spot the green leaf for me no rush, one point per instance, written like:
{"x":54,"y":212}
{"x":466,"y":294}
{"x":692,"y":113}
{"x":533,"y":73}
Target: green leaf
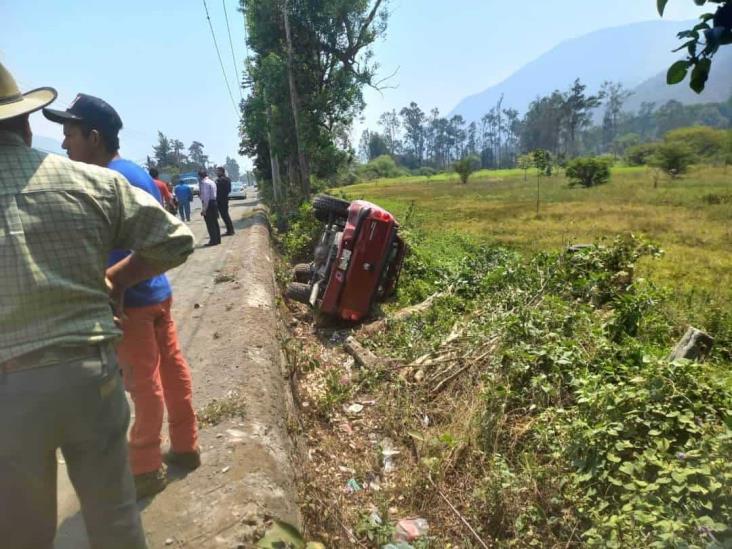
{"x":677,"y":72}
{"x":661,"y":5}
{"x":700,"y":75}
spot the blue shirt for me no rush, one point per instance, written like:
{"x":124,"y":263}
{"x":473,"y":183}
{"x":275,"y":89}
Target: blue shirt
{"x":183,"y":193}
{"x":157,"y":289}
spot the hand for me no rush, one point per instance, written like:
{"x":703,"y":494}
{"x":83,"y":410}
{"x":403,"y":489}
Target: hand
{"x":116,"y":301}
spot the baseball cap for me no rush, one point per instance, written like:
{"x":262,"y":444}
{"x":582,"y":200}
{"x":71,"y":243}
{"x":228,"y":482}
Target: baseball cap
{"x":93,"y":111}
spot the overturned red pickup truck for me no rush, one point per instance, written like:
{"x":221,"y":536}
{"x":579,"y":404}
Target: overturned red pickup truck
{"x":357,"y":261}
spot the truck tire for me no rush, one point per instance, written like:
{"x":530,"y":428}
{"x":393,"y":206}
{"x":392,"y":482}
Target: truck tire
{"x":324,"y":206}
{"x":301,"y":272}
{"x":298,"y":291}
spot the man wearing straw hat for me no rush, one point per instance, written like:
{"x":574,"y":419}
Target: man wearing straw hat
{"x":59,"y":381}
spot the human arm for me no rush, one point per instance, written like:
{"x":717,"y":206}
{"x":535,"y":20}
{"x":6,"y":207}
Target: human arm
{"x":141,"y":225}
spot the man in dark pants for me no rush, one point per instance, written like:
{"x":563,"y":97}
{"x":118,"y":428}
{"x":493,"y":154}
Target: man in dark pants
{"x":223,"y":188}
{"x":209,"y":207}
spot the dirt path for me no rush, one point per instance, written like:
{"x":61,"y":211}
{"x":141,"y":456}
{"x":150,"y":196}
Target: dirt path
{"x":224,"y":309}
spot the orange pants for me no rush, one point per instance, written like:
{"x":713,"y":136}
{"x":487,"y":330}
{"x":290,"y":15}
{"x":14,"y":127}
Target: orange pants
{"x":156,"y":376}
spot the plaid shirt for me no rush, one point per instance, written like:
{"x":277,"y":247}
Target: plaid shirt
{"x":58,"y":222}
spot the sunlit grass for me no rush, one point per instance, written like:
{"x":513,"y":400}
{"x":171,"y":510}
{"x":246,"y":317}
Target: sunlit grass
{"x":690,"y":218}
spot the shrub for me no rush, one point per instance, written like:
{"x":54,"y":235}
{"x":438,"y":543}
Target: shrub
{"x":425,"y":171}
{"x":673,"y":158}
{"x":383,"y":166}
{"x":466,"y":166}
{"x":704,"y":142}
{"x":588,"y":171}
{"x":638,"y":155}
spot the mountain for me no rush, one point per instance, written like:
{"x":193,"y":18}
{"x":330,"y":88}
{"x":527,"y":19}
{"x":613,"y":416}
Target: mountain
{"x":630,"y":54}
{"x":718,"y":88}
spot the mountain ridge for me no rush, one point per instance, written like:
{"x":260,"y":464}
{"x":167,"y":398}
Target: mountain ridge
{"x":593,"y":58}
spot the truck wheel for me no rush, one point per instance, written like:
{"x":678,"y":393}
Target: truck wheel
{"x":301,"y":272}
{"x":324,"y":206}
{"x":298,"y":291}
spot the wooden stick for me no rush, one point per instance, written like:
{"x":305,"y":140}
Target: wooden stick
{"x":454,"y":510}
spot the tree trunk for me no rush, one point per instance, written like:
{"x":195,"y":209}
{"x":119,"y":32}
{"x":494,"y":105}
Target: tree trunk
{"x":295,"y":101}
{"x":274,"y":163}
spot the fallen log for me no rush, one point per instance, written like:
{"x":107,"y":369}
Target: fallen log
{"x":363,"y":357}
{"x":695,"y":345}
{"x":401,"y":314}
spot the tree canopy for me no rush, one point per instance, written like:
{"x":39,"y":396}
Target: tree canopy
{"x":310,"y":59}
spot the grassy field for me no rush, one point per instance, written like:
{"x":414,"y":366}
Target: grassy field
{"x":690,"y":218}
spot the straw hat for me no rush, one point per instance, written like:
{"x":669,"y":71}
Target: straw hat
{"x":13,"y":103}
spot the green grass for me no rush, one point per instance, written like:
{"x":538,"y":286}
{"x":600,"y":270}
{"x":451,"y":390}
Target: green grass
{"x":690,"y":218}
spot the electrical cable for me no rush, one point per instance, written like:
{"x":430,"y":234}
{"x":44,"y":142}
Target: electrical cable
{"x":218,"y":53}
{"x":231,"y":47}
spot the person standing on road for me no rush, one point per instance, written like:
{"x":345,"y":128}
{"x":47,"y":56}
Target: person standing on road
{"x":155,"y":372}
{"x":59,"y":380}
{"x":209,"y":207}
{"x":223,"y":189}
{"x":184,"y":197}
{"x":166,"y":197}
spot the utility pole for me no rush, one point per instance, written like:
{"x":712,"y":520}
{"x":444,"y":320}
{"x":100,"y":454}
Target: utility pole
{"x":295,"y":101}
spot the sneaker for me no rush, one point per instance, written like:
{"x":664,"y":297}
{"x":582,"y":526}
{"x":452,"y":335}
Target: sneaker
{"x":185,"y":460}
{"x":149,"y":484}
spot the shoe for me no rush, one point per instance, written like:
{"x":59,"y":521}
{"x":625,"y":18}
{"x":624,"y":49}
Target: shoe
{"x":228,"y":234}
{"x":149,"y":484}
{"x":185,"y":460}
{"x":211,"y":244}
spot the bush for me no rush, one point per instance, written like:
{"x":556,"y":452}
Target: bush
{"x":704,"y":142}
{"x":588,"y":171}
{"x":466,"y":166}
{"x":383,"y":166}
{"x":638,"y":155}
{"x":425,"y":171}
{"x":673,"y":158}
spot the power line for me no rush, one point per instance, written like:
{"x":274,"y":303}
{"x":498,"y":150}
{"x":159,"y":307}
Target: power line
{"x":231,"y":47}
{"x":218,"y":54}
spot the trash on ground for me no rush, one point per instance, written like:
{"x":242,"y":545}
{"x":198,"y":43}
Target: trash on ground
{"x":353,"y":486}
{"x":411,"y":529}
{"x":354,"y":408}
{"x":388,"y":453}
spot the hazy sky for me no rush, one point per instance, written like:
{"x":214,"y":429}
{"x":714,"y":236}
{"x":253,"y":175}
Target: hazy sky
{"x":155,"y":61}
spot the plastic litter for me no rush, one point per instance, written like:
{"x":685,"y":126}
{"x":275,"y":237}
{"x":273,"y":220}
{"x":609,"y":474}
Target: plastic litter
{"x":354,"y":408}
{"x":353,"y":486}
{"x":411,"y":529}
{"x":388,"y":453}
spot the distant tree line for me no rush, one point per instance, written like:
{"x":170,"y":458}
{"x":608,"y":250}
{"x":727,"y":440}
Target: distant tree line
{"x":567,"y":124}
{"x":171,"y":157}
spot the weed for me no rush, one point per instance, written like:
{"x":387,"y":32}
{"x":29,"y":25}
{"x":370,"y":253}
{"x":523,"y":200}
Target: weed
{"x":216,"y":411}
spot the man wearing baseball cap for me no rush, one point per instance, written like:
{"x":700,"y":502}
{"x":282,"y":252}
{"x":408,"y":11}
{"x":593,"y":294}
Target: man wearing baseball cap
{"x":59,"y":380}
{"x":155,"y":372}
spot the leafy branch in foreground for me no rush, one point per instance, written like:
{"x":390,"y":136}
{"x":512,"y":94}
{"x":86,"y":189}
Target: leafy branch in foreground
{"x":701,"y":43}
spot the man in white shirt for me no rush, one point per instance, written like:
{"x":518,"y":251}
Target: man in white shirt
{"x":209,"y":207}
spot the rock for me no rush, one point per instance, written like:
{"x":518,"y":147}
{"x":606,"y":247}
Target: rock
{"x":695,"y":345}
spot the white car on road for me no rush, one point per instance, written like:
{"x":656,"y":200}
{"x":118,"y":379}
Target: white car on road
{"x":238,"y":190}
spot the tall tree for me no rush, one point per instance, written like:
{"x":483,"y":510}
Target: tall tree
{"x":195,"y":151}
{"x":578,"y":108}
{"x":232,"y":168}
{"x":329,"y":59}
{"x":389,"y":122}
{"x":614,"y":95}
{"x":162,"y":150}
{"x":413,"y":122}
